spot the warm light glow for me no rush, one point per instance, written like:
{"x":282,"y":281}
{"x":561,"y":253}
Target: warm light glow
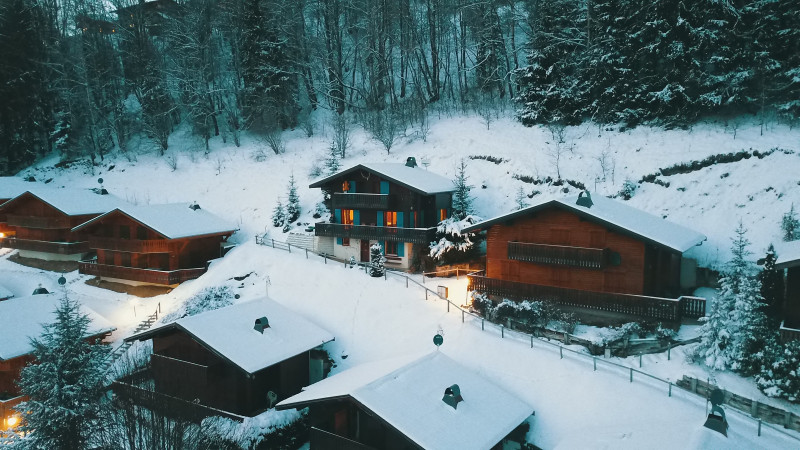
{"x":12,"y":421}
{"x":2,"y":235}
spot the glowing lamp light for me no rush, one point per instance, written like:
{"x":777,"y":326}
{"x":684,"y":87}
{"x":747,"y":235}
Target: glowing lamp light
{"x":2,"y":235}
{"x":12,"y":421}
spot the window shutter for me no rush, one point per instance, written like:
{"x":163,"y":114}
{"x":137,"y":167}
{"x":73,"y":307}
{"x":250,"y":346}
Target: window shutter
{"x":401,"y":248}
{"x":337,"y":214}
{"x":399,"y":219}
{"x":380,"y":218}
{"x":352,"y":186}
{"x":383,"y":246}
{"x":384,"y":187}
{"x":356,"y":217}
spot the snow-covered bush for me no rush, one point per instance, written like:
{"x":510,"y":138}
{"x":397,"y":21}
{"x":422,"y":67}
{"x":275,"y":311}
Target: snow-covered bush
{"x":565,"y":322}
{"x":269,"y":430}
{"x":451,"y":245}
{"x":376,"y":260}
{"x":780,"y":376}
{"x":612,"y":335}
{"x":507,"y":309}
{"x":628,"y":189}
{"x":537,"y":313}
{"x":481,"y":303}
{"x":206,"y":300}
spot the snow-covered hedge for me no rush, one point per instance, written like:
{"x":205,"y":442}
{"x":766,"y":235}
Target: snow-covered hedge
{"x":540,"y":314}
{"x":205,"y":300}
{"x":271,"y":429}
{"x":451,"y":244}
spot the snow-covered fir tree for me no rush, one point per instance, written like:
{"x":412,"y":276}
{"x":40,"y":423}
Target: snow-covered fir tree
{"x":292,"y":202}
{"x":332,"y":160}
{"x":771,"y":285}
{"x":279,"y":215}
{"x":790,"y":225}
{"x":462,"y":200}
{"x":376,"y":260}
{"x":451,"y":245}
{"x":521,"y":200}
{"x":64,"y":385}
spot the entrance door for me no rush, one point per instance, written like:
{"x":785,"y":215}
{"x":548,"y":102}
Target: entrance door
{"x":364,"y":250}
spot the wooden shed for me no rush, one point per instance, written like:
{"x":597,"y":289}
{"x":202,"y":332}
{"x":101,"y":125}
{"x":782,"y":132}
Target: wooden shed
{"x":233,"y":357}
{"x":156,"y":244}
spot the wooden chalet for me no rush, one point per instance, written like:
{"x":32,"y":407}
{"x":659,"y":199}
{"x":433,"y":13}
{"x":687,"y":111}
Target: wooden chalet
{"x":43,"y":219}
{"x":428,"y":402}
{"x":24,"y":317}
{"x":10,"y":187}
{"x":789,"y":260}
{"x":157,"y":244}
{"x":152,"y":15}
{"x":235,"y":358}
{"x":591,"y":252}
{"x":396,"y":205}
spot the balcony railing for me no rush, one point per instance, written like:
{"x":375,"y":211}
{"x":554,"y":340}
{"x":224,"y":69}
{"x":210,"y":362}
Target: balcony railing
{"x":53,"y":223}
{"x":637,"y":305}
{"x":788,"y":334}
{"x":324,"y":439}
{"x":7,"y":408}
{"x":360,"y":201}
{"x":172,"y":406}
{"x":61,"y":248}
{"x":164,"y":277}
{"x":414,"y":235}
{"x":586,"y":258}
{"x":131,"y":245}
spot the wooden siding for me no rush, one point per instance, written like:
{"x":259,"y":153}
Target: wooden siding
{"x":557,"y":227}
{"x":34,"y":222}
{"x":9,"y":373}
{"x":791,"y":306}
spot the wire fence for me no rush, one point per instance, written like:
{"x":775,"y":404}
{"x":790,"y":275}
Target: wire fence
{"x":505,"y":332}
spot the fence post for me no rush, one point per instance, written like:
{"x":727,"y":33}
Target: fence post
{"x":531,"y":341}
{"x":325,"y":257}
{"x":594,"y":359}
{"x":384,"y":274}
{"x":462,"y":316}
{"x":306,"y":253}
{"x":159,"y":306}
{"x":273,"y":243}
{"x":423,"y":277}
{"x":482,"y":324}
{"x":456,"y":273}
{"x":759,"y":427}
{"x":640,"y":360}
{"x":754,"y":408}
{"x":502,"y":331}
{"x":669,"y":349}
{"x":693,"y":382}
{"x":448,"y":305}
{"x":631,"y":374}
{"x":561,"y":351}
{"x":787,"y":419}
{"x":406,"y":281}
{"x":670,"y":388}
{"x":290,"y":247}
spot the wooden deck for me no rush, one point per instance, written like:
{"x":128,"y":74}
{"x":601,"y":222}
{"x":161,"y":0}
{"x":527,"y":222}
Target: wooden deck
{"x":162,"y":277}
{"x":61,"y":248}
{"x":375,"y":233}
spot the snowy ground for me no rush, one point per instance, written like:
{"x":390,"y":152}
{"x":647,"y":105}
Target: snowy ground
{"x":373,"y":318}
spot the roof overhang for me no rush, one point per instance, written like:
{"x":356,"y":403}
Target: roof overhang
{"x":90,"y":223}
{"x":360,"y":167}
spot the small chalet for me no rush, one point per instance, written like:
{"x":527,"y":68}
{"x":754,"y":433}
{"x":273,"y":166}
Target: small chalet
{"x":24,"y":317}
{"x":396,"y":205}
{"x":10,"y":187}
{"x":428,"y":402}
{"x":43,"y":219}
{"x":591,"y":252}
{"x":156,"y":244}
{"x":789,"y":259}
{"x":238,"y":358}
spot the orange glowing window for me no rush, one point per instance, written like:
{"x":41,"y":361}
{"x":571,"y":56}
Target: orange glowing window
{"x":391,"y":218}
{"x":346,"y":186}
{"x":347,"y":216}
{"x":442,"y":214}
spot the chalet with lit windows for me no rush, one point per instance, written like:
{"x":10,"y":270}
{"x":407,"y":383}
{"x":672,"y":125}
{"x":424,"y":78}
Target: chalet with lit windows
{"x":427,"y":402}
{"x":788,"y":259}
{"x":10,"y":187}
{"x":152,"y":15}
{"x":43,"y":220}
{"x":396,"y":205}
{"x":240,"y":359}
{"x":591,"y":252}
{"x":156,"y":244}
{"x":24,"y":317}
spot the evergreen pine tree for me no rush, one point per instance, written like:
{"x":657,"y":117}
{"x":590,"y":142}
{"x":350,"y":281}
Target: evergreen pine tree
{"x":376,"y":260}
{"x":64,"y":385}
{"x":279,"y":215}
{"x":790,"y":225}
{"x":332,"y":161}
{"x":462,"y":200}
{"x":293,"y":202}
{"x":521,"y":199}
{"x":772,"y":286}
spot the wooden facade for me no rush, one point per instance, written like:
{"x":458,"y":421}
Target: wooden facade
{"x":184,"y":368}
{"x":555,"y":247}
{"x":368,"y":206}
{"x":132,"y":251}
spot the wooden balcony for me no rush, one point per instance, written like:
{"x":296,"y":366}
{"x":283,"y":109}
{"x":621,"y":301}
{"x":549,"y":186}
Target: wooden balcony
{"x":666,"y":309}
{"x":163,"y":277}
{"x":321,"y":439}
{"x":61,"y":248}
{"x":7,"y":408}
{"x":560,"y":255}
{"x":788,"y":334}
{"x":372,"y":233}
{"x":132,"y":245}
{"x":360,"y":201}
{"x":52,"y":223}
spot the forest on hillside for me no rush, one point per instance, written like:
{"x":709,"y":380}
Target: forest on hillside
{"x":84,"y":77}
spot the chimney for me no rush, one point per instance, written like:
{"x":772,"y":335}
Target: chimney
{"x":452,"y":396}
{"x":411,"y":162}
{"x":261,"y":324}
{"x":194,"y":206}
{"x":40,"y":290}
{"x":586,"y":201}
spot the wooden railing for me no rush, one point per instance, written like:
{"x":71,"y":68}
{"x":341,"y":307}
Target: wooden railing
{"x":164,"y":277}
{"x":173,"y":406}
{"x":637,"y":305}
{"x":694,"y":307}
{"x":324,"y":440}
{"x":587,"y":258}
{"x":39,"y":222}
{"x":7,"y":407}
{"x":62,"y":248}
{"x":788,"y":334}
{"x":131,"y":245}
{"x":359,"y":201}
{"x":373,"y":233}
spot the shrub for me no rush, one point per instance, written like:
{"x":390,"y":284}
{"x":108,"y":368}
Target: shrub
{"x":780,"y":376}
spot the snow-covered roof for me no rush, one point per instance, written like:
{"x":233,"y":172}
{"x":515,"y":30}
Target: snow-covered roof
{"x":788,"y":254}
{"x":229,"y":333}
{"x":5,"y":293}
{"x":614,"y":214}
{"x":11,"y":187}
{"x":24,"y":317}
{"x":72,"y":202}
{"x":406,"y":393}
{"x":173,"y":220}
{"x":414,"y":178}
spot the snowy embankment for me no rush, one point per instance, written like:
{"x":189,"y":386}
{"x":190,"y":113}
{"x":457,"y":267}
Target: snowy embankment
{"x":374,"y":319}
